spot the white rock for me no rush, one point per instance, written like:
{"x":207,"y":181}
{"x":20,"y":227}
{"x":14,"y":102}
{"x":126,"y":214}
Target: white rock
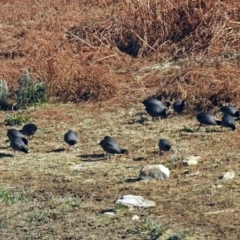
{"x":194,"y":174}
{"x":158,"y":172}
{"x":89,"y":181}
{"x":135,"y":217}
{"x":136,"y":201}
{"x":77,"y":167}
{"x":110,"y":214}
{"x":228,"y":175}
{"x":191,"y":160}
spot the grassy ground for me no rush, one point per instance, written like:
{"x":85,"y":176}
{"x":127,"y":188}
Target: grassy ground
{"x":53,"y":193}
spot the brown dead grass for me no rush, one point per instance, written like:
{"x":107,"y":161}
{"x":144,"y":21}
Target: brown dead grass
{"x":94,"y":50}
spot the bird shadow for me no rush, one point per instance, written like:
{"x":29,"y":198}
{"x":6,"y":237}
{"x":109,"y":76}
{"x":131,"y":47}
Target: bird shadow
{"x":3,"y":155}
{"x":113,"y":210}
{"x":131,"y":180}
{"x":136,"y":159}
{"x":93,"y":157}
{"x":142,"y":120}
{"x":5,"y":147}
{"x":187,"y":129}
{"x":56,"y":150}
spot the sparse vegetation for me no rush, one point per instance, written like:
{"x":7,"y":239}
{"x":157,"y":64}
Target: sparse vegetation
{"x":3,"y":93}
{"x":8,"y":197}
{"x":15,"y":119}
{"x":30,"y":92}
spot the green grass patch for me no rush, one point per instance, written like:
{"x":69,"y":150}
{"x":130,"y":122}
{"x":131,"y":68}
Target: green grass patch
{"x":8,"y":197}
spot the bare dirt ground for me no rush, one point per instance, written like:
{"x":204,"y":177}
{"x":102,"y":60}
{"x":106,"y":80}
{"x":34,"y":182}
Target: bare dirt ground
{"x":53,"y":193}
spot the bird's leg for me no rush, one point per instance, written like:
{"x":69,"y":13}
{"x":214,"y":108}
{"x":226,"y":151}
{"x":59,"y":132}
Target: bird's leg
{"x":198,"y":127}
{"x":68,"y":149}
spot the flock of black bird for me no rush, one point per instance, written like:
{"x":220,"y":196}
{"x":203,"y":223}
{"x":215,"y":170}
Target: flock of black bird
{"x":153,"y":107}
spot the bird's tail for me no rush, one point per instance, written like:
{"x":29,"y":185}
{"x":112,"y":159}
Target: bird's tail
{"x":124,"y":151}
{"x":24,"y":150}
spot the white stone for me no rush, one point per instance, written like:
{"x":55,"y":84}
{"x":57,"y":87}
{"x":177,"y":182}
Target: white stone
{"x":228,"y":175}
{"x":136,"y":201}
{"x":89,"y":181}
{"x":158,"y":172}
{"x":135,"y":217}
{"x":194,"y":174}
{"x":110,"y":214}
{"x":191,"y":160}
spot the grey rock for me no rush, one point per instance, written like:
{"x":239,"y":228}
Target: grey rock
{"x":157,"y":171}
{"x":136,"y":201}
{"x":228,"y":175}
{"x":191,"y":160}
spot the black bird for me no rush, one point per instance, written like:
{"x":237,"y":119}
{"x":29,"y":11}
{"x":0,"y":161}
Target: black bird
{"x":110,"y":146}
{"x":156,"y":108}
{"x":152,"y":101}
{"x":164,"y":145}
{"x":18,"y":145}
{"x":178,"y":106}
{"x":207,"y":119}
{"x":231,"y":110}
{"x":14,"y":133}
{"x":228,"y":121}
{"x":29,"y":130}
{"x":70,"y":138}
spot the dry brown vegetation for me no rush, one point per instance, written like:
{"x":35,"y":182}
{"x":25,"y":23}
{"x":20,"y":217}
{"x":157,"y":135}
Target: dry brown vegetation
{"x":98,"y":50}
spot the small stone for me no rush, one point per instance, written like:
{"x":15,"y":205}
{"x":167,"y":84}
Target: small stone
{"x":193,"y":174}
{"x":77,"y":167}
{"x":191,"y":160}
{"x":135,"y":217}
{"x":228,"y":175}
{"x":136,"y":201}
{"x":158,"y":172}
{"x":218,"y":186}
{"x":89,"y":181}
{"x":110,"y":214}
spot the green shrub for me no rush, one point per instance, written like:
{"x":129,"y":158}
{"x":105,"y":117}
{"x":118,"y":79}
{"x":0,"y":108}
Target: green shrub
{"x":30,"y":92}
{"x":11,"y":198}
{"x":3,"y":93}
{"x":15,"y":119}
